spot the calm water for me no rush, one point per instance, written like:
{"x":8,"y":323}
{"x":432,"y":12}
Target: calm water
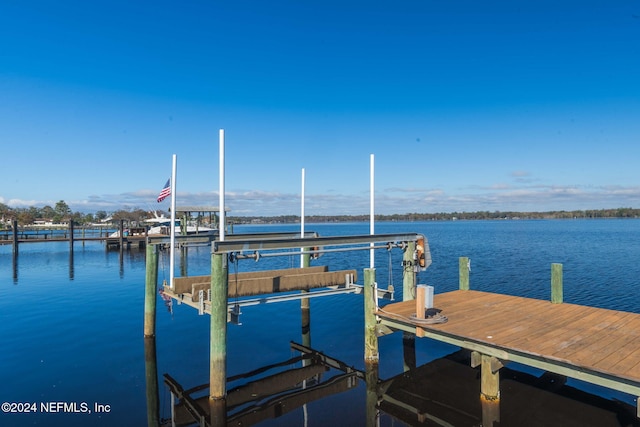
{"x":72,"y":328}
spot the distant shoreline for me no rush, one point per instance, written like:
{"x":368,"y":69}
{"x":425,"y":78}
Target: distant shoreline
{"x":451,"y":216}
{"x":26,"y":218}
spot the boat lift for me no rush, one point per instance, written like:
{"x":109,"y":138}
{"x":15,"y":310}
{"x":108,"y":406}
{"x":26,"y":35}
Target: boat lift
{"x":274,"y":286}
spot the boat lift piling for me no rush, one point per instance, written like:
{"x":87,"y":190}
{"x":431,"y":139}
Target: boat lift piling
{"x":218,"y":339}
{"x":150,"y":293}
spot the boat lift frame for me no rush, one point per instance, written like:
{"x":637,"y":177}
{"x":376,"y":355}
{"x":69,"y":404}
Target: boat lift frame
{"x":310,"y":246}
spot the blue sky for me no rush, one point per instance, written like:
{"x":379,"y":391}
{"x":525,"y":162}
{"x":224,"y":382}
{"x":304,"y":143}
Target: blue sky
{"x":499,"y":105}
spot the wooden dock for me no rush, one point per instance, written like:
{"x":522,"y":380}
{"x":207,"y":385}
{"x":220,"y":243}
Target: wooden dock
{"x":596,"y":345}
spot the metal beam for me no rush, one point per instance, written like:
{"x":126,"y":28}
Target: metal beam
{"x":270,"y":244}
{"x":193,"y":238}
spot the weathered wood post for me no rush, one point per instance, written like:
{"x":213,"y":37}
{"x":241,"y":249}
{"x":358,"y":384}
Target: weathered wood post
{"x":408,"y":293}
{"x":151,"y":377}
{"x":370,"y":337}
{"x":150,"y":297}
{"x":489,"y":386}
{"x":184,"y":252}
{"x":71,"y":234}
{"x":409,"y":272}
{"x":183,"y":224}
{"x":121,"y":235}
{"x":14,"y":227}
{"x":463,"y":268}
{"x":218,"y":338}
{"x":490,"y":390}
{"x":556,"y":283}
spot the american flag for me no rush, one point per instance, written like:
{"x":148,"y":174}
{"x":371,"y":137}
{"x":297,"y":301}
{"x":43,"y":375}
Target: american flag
{"x":166,"y":191}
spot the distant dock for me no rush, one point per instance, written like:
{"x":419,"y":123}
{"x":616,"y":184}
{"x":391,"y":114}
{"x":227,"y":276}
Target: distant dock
{"x":19,"y":235}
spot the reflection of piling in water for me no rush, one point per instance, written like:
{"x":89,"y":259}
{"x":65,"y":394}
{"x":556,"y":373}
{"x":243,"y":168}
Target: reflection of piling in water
{"x":267,"y":392}
{"x":151,"y":377}
{"x":445,"y":392}
{"x":71,"y":266}
{"x":305,"y":306}
{"x":372,"y":412}
{"x":15,"y":266}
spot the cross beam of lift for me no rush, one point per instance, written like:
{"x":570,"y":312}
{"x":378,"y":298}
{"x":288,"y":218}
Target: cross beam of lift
{"x":257,"y":245}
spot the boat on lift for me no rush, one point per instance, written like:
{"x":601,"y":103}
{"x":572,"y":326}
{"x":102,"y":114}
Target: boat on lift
{"x":160,"y":225}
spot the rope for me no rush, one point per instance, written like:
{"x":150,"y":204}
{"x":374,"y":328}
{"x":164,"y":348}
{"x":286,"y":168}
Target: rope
{"x":429,"y":320}
{"x":407,"y":268}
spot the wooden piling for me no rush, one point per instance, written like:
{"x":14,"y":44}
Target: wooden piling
{"x":15,"y":237}
{"x":370,"y":338}
{"x":150,"y":297}
{"x":556,"y":283}
{"x":71,"y":234}
{"x":121,"y":240}
{"x":490,"y":378}
{"x":218,"y":331}
{"x":408,"y":293}
{"x":421,"y":291}
{"x":409,"y":272}
{"x":463,"y":268}
{"x":420,"y":299}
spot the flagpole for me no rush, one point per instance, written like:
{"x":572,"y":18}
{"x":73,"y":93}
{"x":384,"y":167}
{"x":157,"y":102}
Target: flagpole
{"x":173,"y":222}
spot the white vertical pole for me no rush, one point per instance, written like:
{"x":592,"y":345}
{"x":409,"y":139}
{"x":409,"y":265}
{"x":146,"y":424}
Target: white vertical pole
{"x":371,"y":212}
{"x":172,"y":241}
{"x":302,"y":220}
{"x":372,"y":255}
{"x":221,"y":190}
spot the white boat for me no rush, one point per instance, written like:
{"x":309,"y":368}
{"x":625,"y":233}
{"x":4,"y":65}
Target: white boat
{"x":159,"y":225}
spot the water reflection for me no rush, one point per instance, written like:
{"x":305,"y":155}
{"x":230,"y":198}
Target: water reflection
{"x":268,"y":392}
{"x":443,"y":392}
{"x":14,"y":263}
{"x":446,"y":392}
{"x":71,"y":271}
{"x":151,"y":377}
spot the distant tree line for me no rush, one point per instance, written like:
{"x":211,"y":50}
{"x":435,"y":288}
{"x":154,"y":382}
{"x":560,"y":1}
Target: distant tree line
{"x":62,"y":213}
{"x":444,"y":216}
